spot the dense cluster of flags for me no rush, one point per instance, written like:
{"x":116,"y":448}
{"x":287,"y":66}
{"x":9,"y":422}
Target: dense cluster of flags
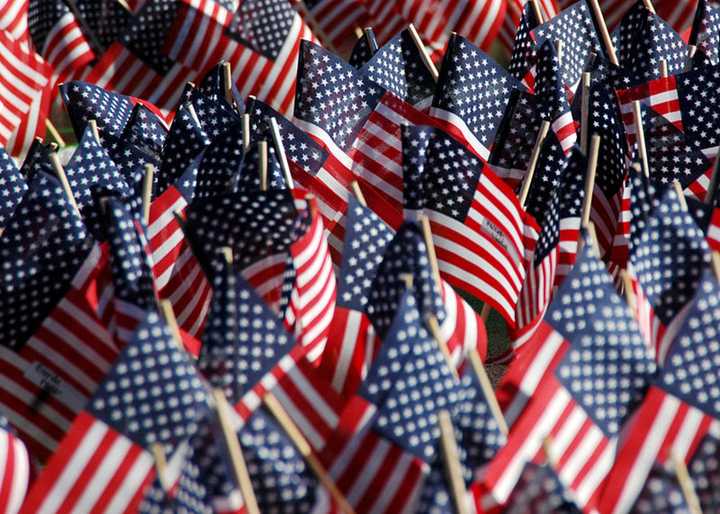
{"x":250,"y":285}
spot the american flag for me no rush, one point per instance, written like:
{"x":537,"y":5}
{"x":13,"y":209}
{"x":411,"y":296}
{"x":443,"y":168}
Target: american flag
{"x":581,"y":377}
{"x":398,"y":67}
{"x":470,"y":105}
{"x":556,"y":196}
{"x":665,"y":280}
{"x":337,"y":19}
{"x":16,"y":469}
{"x":25,"y":77}
{"x":361,"y":51}
{"x":55,"y":349}
{"x":145,"y":131}
{"x":697,"y":94}
{"x":515,"y":14}
{"x":58,"y":36}
{"x":132,"y":291}
{"x":381,"y":456}
{"x":552,"y":100}
{"x":575,"y":28}
{"x":249,"y":178}
{"x":478,"y":22}
{"x":152,"y":395}
{"x":705,"y":33}
{"x":539,"y":490}
{"x":482,"y":236}
{"x":355,"y":119}
{"x":680,"y":408}
{"x":12,"y":186}
{"x":524,"y":47}
{"x":642,"y":41}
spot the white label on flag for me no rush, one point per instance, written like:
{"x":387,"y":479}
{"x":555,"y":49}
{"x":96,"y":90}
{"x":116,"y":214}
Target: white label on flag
{"x":46,"y":379}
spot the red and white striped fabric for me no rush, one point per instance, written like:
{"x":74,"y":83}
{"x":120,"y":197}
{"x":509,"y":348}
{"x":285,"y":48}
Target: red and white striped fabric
{"x":374,"y":474}
{"x":32,"y":125}
{"x":66,"y":49}
{"x":178,"y":274}
{"x":477,"y":21}
{"x":337,"y":21}
{"x":661,"y":427}
{"x":120,"y":70}
{"x":542,"y":407}
{"x":47,"y":382}
{"x":713,"y":232}
{"x":95,"y":469}
{"x":565,"y":129}
{"x":659,"y":94}
{"x":14,"y":19}
{"x":23,"y":76}
{"x":15,"y":470}
{"x":621,"y":240}
{"x":604,"y":214}
{"x":385,"y":19}
{"x":312,"y":301}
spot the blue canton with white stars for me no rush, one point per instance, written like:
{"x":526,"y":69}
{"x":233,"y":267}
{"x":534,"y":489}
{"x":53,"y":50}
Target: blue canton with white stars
{"x":12,"y":187}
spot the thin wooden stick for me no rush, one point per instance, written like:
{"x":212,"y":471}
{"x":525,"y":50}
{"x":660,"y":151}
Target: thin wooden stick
{"x":371,"y":40}
{"x":585,"y":111}
{"x":358,"y":193}
{"x":280,"y":149}
{"x":193,"y":113}
{"x":534,"y":156}
{"x":487,"y":389}
{"x":94,"y":128}
{"x":691,"y":53}
{"x":124,"y":5}
{"x":60,"y":172}
{"x":686,"y":484}
{"x":680,"y":194}
{"x":53,"y":131}
{"x":649,"y":6}
{"x":228,"y":83}
{"x":263,"y":164}
{"x":714,"y":181}
{"x":453,"y":468}
{"x":277,"y":410}
{"x":429,"y":64}
{"x":239,"y":468}
{"x":434,"y":266}
{"x":246,"y":131}
{"x":663,"y":68}
{"x":147,"y":192}
{"x":628,"y":290}
{"x":604,"y":34}
{"x":715,"y":262}
{"x":169,"y":315}
{"x":161,"y":466}
{"x":537,"y":10}
{"x":590,"y":177}
{"x":358,"y":32}
{"x":640,"y":135}
{"x":559,"y":50}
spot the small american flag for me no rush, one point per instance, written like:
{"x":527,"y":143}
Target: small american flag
{"x":539,"y":490}
{"x":471,"y":113}
{"x":697,"y":93}
{"x":152,"y":395}
{"x":524,"y":47}
{"x":12,"y":186}
{"x":666,"y":264}
{"x":679,"y":413}
{"x":145,"y":130}
{"x":705,"y":33}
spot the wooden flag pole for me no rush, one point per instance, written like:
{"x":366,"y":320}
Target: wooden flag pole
{"x":280,"y":149}
{"x":161,"y":466}
{"x":714,"y":180}
{"x":691,"y":53}
{"x":53,"y":131}
{"x":227,"y":83}
{"x":686,"y":484}
{"x":60,"y":173}
{"x":663,"y":68}
{"x":604,"y":34}
{"x":585,"y":112}
{"x":649,"y":6}
{"x":242,"y":476}
{"x":590,"y":177}
{"x":94,"y":128}
{"x":680,"y":194}
{"x":263,"y":164}
{"x":640,"y":135}
{"x":429,"y":64}
{"x":147,"y":187}
{"x":358,"y":193}
{"x":451,"y":458}
{"x":371,"y":40}
{"x":535,"y":4}
{"x":534,"y":156}
{"x":473,"y":355}
{"x":193,"y":113}
{"x":246,"y":131}
{"x":715,"y":263}
{"x":169,"y":315}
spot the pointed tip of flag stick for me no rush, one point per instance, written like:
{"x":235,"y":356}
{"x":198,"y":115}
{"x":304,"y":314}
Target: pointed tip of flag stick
{"x":680,"y":194}
{"x":160,"y":459}
{"x":280,"y":149}
{"x":649,"y":6}
{"x":358,"y":32}
{"x":488,"y":391}
{"x":263,"y":164}
{"x":604,"y":34}
{"x":60,"y":173}
{"x":592,"y":161}
{"x":53,"y":147}
{"x":427,"y":61}
{"x":534,"y":156}
{"x":691,"y":53}
{"x":640,"y":137}
{"x":358,"y":193}
{"x":451,"y":458}
{"x":54,"y":133}
{"x":239,"y":467}
{"x":147,"y":187}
